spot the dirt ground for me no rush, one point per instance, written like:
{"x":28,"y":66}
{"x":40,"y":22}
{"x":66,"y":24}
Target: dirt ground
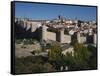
{"x":24,"y":50}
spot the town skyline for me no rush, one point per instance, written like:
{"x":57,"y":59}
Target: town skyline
{"x":51,"y":11}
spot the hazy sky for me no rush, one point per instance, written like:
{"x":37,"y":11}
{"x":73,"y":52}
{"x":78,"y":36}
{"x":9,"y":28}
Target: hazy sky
{"x":51,"y":11}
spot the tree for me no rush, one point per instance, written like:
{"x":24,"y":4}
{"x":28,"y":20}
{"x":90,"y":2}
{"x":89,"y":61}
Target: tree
{"x":81,"y":55}
{"x":55,"y":52}
{"x":55,"y":55}
{"x":93,"y":58}
{"x":68,"y":60}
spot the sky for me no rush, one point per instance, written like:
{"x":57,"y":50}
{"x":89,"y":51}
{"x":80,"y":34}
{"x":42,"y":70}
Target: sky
{"x":37,"y":11}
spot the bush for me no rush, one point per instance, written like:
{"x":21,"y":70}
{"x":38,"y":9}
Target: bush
{"x":32,"y":65}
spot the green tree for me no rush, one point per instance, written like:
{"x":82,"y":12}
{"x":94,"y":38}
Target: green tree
{"x":55,"y":56}
{"x":93,"y":58}
{"x":81,"y":55}
{"x":55,"y":52}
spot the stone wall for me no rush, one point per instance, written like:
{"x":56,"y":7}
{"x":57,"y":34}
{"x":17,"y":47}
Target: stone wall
{"x":66,"y":39}
{"x":45,"y":35}
{"x":29,"y":25}
{"x":51,"y":36}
